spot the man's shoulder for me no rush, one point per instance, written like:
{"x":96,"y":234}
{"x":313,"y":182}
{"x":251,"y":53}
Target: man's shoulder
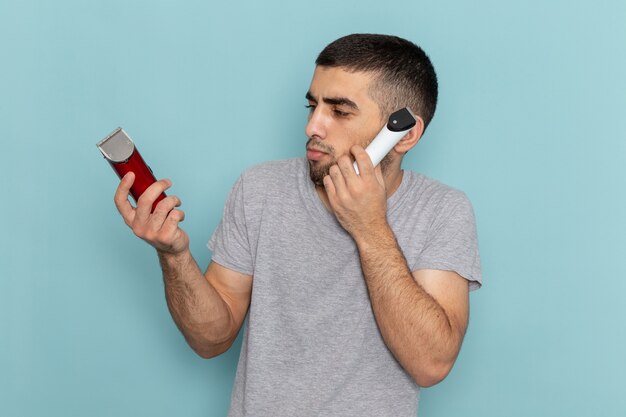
{"x":431,"y":197}
{"x":273,"y":178}
{"x":272,"y":170}
{"x":430,"y":188}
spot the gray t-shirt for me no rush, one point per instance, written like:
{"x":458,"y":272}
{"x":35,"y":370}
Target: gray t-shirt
{"x":311,"y":346}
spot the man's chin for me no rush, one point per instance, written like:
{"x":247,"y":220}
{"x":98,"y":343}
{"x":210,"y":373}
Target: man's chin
{"x":318,"y":171}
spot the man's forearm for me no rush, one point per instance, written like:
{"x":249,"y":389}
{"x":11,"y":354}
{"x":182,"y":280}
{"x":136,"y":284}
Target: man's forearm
{"x":195,"y":305}
{"x":414,"y":326}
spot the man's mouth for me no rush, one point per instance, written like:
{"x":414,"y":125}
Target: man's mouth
{"x":315,"y":150}
{"x":313,"y":154}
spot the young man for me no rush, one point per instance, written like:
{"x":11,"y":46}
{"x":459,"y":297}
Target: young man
{"x":356,"y":286}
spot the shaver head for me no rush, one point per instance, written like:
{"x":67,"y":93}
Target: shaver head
{"x":117,"y":147}
{"x":401,"y":120}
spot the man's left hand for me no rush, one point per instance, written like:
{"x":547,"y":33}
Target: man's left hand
{"x":359,"y":201}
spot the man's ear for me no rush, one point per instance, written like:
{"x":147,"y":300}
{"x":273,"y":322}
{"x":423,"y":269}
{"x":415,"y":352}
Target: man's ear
{"x":411,"y":138}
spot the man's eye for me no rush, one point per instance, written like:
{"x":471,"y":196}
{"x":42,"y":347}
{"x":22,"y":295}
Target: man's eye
{"x":311,"y":107}
{"x":341,"y":113}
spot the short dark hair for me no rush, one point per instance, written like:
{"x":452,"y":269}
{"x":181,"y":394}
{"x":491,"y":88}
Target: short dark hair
{"x":404,"y":74}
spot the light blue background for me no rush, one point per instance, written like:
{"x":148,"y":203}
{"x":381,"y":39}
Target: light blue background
{"x":530,"y":124}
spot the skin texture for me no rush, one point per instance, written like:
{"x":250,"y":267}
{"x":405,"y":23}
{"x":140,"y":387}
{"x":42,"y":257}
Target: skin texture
{"x":422,"y":315}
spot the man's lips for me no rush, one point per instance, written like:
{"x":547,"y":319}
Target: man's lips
{"x":314,"y":154}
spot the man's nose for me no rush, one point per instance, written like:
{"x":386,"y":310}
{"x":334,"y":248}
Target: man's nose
{"x":316,"y":126}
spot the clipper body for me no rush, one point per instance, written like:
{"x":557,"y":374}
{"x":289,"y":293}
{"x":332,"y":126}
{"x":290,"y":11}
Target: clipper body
{"x":400,"y":122}
{"x":120,"y":151}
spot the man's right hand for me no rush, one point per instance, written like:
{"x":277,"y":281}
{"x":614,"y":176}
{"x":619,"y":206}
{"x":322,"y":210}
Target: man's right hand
{"x":159,"y":228}
{"x":208,"y":309}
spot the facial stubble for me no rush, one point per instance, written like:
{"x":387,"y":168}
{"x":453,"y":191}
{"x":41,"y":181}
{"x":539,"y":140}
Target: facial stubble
{"x":318,"y":171}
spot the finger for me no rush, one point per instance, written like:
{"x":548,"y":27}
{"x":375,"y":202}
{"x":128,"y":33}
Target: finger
{"x":338,"y":181}
{"x":170,"y":225}
{"x":330,"y":189}
{"x":347,"y":170}
{"x":162,"y":210}
{"x":144,"y":204}
{"x":363,"y":161}
{"x":121,"y":198}
{"x":378,"y":172}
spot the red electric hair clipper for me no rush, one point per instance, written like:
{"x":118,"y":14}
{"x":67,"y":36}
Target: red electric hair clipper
{"x":124,"y":157}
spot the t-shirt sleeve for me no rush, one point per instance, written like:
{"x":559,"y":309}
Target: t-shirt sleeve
{"x":229,"y":243}
{"x":452,"y":243}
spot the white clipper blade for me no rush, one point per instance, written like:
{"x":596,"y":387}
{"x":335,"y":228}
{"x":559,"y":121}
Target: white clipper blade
{"x":400,"y":122}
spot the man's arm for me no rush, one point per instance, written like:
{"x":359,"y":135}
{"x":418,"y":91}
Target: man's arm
{"x":422,"y":316}
{"x":208,"y":309}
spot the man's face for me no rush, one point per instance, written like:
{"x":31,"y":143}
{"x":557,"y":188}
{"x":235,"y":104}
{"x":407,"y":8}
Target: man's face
{"x":342,"y":114}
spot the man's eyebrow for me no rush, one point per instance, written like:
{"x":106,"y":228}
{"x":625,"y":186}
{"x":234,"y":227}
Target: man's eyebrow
{"x":337,"y":101}
{"x":341,"y":101}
